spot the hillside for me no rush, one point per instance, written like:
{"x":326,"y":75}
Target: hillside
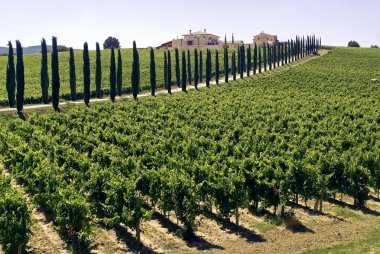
{"x":27,"y":50}
{"x":260,"y":150}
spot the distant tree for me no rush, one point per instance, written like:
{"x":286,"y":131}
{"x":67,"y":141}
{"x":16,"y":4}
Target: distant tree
{"x":113,"y":76}
{"x":110,"y":43}
{"x":135,"y":72}
{"x":226,"y":69}
{"x":119,"y":75}
{"x":165,"y":70}
{"x":353,"y":44}
{"x":225,"y":39}
{"x":184,"y":73}
{"x":238,"y":59}
{"x":73,"y":78}
{"x":265,"y":56}
{"x":260,"y":61}
{"x":177,"y":68}
{"x":274,"y":56}
{"x":289,"y":51}
{"x":217,"y":70}
{"x":98,"y":75}
{"x":255,"y":59}
{"x":55,"y":80}
{"x":152,"y":72}
{"x":86,"y":74}
{"x":233,"y":39}
{"x":44,"y":73}
{"x":196,"y":69}
{"x":282,"y":54}
{"x":20,"y":77}
{"x":233,"y":66}
{"x":62,"y":48}
{"x":200,"y":67}
{"x":241,"y":67}
{"x":249,"y":61}
{"x":208,"y":68}
{"x":374,"y":46}
{"x":189,"y":67}
{"x":243,"y":63}
{"x":11,"y":79}
{"x":169,"y":73}
{"x":269,"y":56}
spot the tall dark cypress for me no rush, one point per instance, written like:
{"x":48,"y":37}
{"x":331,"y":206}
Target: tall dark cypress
{"x":260,"y":61}
{"x":208,"y":68}
{"x":269,"y":56}
{"x":11,"y":79}
{"x":165,"y":70}
{"x":226,"y":68}
{"x":177,"y":68}
{"x":55,"y":80}
{"x":20,"y":77}
{"x":282,"y":54}
{"x":119,"y":77}
{"x":217,"y":68}
{"x":135,"y":77}
{"x":152,"y":72}
{"x":73,"y":78}
{"x":169,"y":73}
{"x":249,"y":61}
{"x":184,"y":72}
{"x":278,"y":54}
{"x":196,"y":69}
{"x":189,"y":67}
{"x":44,"y":73}
{"x":241,"y":70}
{"x":293,"y":50}
{"x":274,"y":56}
{"x":255,"y":59}
{"x":238,"y":59}
{"x":98,"y":72}
{"x":113,"y":76}
{"x":234,"y":65}
{"x":286,"y":53}
{"x":289,"y":51}
{"x":243,"y":64}
{"x":200,"y":66}
{"x":86,"y":74}
{"x":265,"y":56}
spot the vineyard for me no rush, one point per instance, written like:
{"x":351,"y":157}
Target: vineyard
{"x":304,"y":135}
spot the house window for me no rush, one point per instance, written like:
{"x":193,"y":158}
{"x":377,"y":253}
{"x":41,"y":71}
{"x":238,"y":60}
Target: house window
{"x":190,"y":43}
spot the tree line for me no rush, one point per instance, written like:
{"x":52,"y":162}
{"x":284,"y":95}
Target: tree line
{"x":187,"y":71}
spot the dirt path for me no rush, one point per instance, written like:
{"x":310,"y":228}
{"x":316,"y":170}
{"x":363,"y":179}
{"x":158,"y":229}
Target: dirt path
{"x":44,"y":238}
{"x":163,"y":91}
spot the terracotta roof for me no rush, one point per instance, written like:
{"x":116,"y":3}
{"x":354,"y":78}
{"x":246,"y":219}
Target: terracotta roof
{"x":262,"y":33}
{"x":201,"y":33}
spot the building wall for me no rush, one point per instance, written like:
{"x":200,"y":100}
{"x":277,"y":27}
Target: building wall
{"x":265,"y":38}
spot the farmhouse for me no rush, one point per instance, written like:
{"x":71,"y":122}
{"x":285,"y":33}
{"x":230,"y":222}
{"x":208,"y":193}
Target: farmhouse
{"x":265,"y":38}
{"x":201,"y":39}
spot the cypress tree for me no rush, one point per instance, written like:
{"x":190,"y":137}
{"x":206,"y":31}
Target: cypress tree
{"x":278,"y":55}
{"x":165,"y":70}
{"x":226,"y":69}
{"x":189,"y":66}
{"x":274,"y":56}
{"x":169,"y":73}
{"x":119,"y":79}
{"x":282,"y":54}
{"x":196,"y":69}
{"x":293,"y":50}
{"x":243,"y":64}
{"x":265,"y":57}
{"x":177,"y":68}
{"x":260,"y":61}
{"x":241,"y":70}
{"x":249,"y":61}
{"x":73,"y":78}
{"x":184,"y":73}
{"x":225,"y":39}
{"x":98,"y":75}
{"x":86,"y":74}
{"x":135,"y":72}
{"x":113,"y":76}
{"x":234,"y":65}
{"x":238,"y":60}
{"x":44,"y":73}
{"x":286,"y":53}
{"x":153,"y":72}
{"x":11,"y":79}
{"x":255,"y":59}
{"x":20,"y":77}
{"x":55,"y":80}
{"x":200,"y":66}
{"x":208,"y":68}
{"x":289,"y":51}
{"x":269,"y":56}
{"x":217,"y":71}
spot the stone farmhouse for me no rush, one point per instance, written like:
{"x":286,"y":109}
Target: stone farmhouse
{"x":265,"y":38}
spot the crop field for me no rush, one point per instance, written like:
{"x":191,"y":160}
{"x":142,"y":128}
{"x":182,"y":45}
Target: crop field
{"x":271,"y":146}
{"x":33,"y":65}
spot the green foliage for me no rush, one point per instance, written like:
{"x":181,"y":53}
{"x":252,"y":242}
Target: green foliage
{"x":98,"y":72}
{"x":55,"y":80}
{"x":20,"y":78}
{"x":86,"y":74}
{"x":44,"y":73}
{"x":169,"y":73}
{"x":153,"y":72}
{"x":184,"y":74}
{"x":73,"y":77}
{"x":135,"y":76}
{"x":196,"y":69}
{"x":119,"y":75}
{"x":354,"y":44}
{"x":113,"y":76}
{"x":217,"y":68}
{"x":11,"y":76}
{"x":177,"y":68}
{"x":189,"y":75}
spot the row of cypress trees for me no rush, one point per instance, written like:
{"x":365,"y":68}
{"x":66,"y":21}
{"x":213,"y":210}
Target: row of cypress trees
{"x":15,"y":81}
{"x":266,"y":56}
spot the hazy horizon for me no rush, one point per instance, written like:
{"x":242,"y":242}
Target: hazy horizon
{"x":152,"y":23}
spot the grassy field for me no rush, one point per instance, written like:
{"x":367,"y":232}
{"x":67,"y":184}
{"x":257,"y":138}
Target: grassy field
{"x":33,"y":64}
{"x":233,"y":144}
